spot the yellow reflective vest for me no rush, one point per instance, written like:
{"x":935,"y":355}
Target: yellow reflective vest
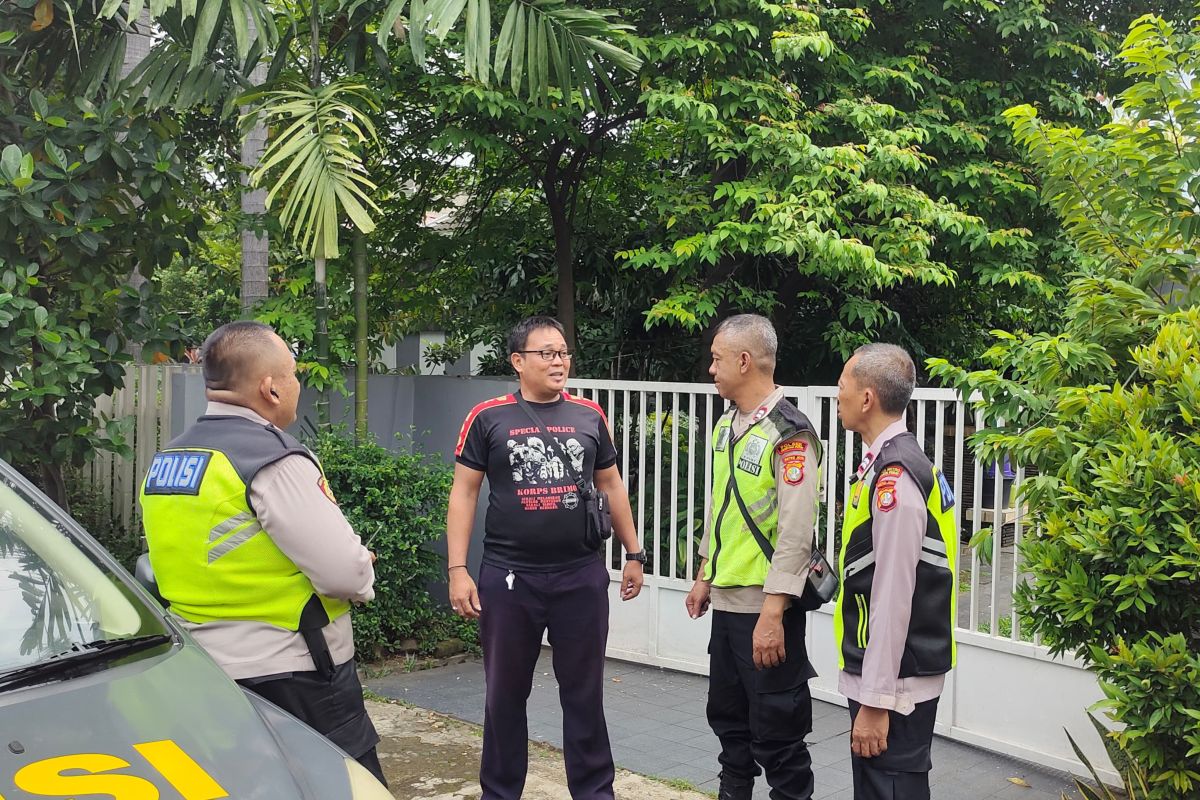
{"x":735,"y":557}
{"x":929,"y":646}
{"x":211,"y":557}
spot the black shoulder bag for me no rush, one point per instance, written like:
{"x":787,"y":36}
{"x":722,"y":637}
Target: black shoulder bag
{"x":822,"y":582}
{"x":597,"y":515}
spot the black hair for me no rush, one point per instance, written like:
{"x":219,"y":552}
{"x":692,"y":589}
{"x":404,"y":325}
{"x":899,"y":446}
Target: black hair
{"x":519,"y":335}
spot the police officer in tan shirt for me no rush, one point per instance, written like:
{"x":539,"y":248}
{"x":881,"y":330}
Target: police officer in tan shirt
{"x":250,"y":377}
{"x":759,"y":704}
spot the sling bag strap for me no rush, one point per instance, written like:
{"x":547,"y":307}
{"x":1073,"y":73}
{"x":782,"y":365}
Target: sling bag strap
{"x":763,"y":542}
{"x":566,"y":460}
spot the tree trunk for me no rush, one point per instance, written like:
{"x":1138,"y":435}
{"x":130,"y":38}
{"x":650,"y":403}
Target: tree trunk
{"x":564,"y":261}
{"x":361,"y":355}
{"x":56,"y":486}
{"x":322,"y":337}
{"x":256,"y":247}
{"x":322,"y":307}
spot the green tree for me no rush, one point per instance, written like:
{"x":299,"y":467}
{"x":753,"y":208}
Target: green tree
{"x":92,"y":190}
{"x":1105,"y":406}
{"x":843,"y":168}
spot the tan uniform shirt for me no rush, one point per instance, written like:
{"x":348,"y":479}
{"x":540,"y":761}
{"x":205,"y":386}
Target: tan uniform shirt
{"x":310,"y":530}
{"x":797,"y":506}
{"x":897,"y":534}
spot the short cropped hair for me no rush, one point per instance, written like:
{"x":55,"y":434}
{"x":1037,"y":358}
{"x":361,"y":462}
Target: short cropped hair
{"x":231,"y":350}
{"x":889,"y":370}
{"x":754,"y":334}
{"x":519,"y":335}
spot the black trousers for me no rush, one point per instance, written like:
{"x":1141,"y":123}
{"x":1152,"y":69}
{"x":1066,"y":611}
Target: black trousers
{"x":573,"y":606}
{"x":761,"y":716}
{"x":902,"y":771}
{"x":333,"y":708}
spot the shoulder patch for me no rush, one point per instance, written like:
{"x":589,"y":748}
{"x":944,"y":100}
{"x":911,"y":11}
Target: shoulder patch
{"x":325,"y":490}
{"x":793,"y":454}
{"x":177,"y":472}
{"x":885,"y":497}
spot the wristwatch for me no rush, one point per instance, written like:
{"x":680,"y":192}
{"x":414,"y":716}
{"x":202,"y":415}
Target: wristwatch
{"x":639,"y":556}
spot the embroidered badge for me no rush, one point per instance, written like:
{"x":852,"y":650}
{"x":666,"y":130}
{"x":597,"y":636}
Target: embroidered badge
{"x":751,"y":460}
{"x":793,"y":457}
{"x":885,"y":496}
{"x":891,"y":472}
{"x":759,"y":414}
{"x":325,"y":490}
{"x":722,"y":439}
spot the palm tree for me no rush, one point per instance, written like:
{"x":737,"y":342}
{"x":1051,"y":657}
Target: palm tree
{"x":315,"y":164}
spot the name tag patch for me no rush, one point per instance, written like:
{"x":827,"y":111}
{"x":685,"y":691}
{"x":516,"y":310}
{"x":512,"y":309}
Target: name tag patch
{"x":751,"y":460}
{"x":177,"y":472}
{"x":722,"y":439}
{"x":947,"y":492}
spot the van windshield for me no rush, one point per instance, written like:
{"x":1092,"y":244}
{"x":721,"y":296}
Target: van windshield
{"x":54,"y":595}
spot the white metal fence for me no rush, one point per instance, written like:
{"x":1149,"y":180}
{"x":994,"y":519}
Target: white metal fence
{"x":663,"y":432}
{"x":142,"y":410}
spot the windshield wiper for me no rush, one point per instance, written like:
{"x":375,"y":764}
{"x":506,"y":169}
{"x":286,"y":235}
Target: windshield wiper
{"x":80,"y":658}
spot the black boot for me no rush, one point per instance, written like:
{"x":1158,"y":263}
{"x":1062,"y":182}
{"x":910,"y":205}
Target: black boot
{"x":735,"y":788}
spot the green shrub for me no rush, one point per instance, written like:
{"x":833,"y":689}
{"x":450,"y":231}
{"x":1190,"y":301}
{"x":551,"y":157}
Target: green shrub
{"x":398,"y":502}
{"x":1107,"y":408}
{"x":94,"y":512}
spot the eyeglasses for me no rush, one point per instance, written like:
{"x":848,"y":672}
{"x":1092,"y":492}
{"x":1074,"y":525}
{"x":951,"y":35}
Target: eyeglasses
{"x":548,"y":355}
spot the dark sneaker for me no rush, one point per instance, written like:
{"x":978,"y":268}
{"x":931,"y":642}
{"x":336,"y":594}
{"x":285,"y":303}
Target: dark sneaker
{"x":734,"y":790}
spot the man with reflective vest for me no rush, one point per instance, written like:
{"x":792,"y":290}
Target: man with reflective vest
{"x":754,"y":565}
{"x":250,"y":549}
{"x":894,"y":619}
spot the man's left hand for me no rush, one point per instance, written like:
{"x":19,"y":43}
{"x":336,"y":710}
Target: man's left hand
{"x":769,"y":650}
{"x":868,"y":737}
{"x":631,"y":580}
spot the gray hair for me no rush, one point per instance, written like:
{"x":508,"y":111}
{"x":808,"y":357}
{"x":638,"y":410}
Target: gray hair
{"x":754,"y":334}
{"x":889,"y":370}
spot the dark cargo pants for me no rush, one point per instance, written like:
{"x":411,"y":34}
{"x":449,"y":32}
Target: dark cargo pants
{"x":572,"y":605}
{"x":332,"y":707}
{"x":902,"y":771}
{"x":761,"y":716}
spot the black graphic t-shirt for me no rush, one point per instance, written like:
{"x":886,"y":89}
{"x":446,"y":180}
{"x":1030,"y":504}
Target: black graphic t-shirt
{"x":535,"y":517}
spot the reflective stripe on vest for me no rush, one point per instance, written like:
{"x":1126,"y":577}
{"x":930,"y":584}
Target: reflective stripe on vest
{"x":211,"y":557}
{"x":735,"y":557}
{"x":929,"y":647}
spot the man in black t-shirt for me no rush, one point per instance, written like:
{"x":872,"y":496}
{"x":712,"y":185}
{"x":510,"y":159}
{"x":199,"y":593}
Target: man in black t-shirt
{"x":538,"y":574}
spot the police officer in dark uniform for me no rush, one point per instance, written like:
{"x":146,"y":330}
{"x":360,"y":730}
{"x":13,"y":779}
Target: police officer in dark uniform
{"x":755,"y":559}
{"x":894,"y":620}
